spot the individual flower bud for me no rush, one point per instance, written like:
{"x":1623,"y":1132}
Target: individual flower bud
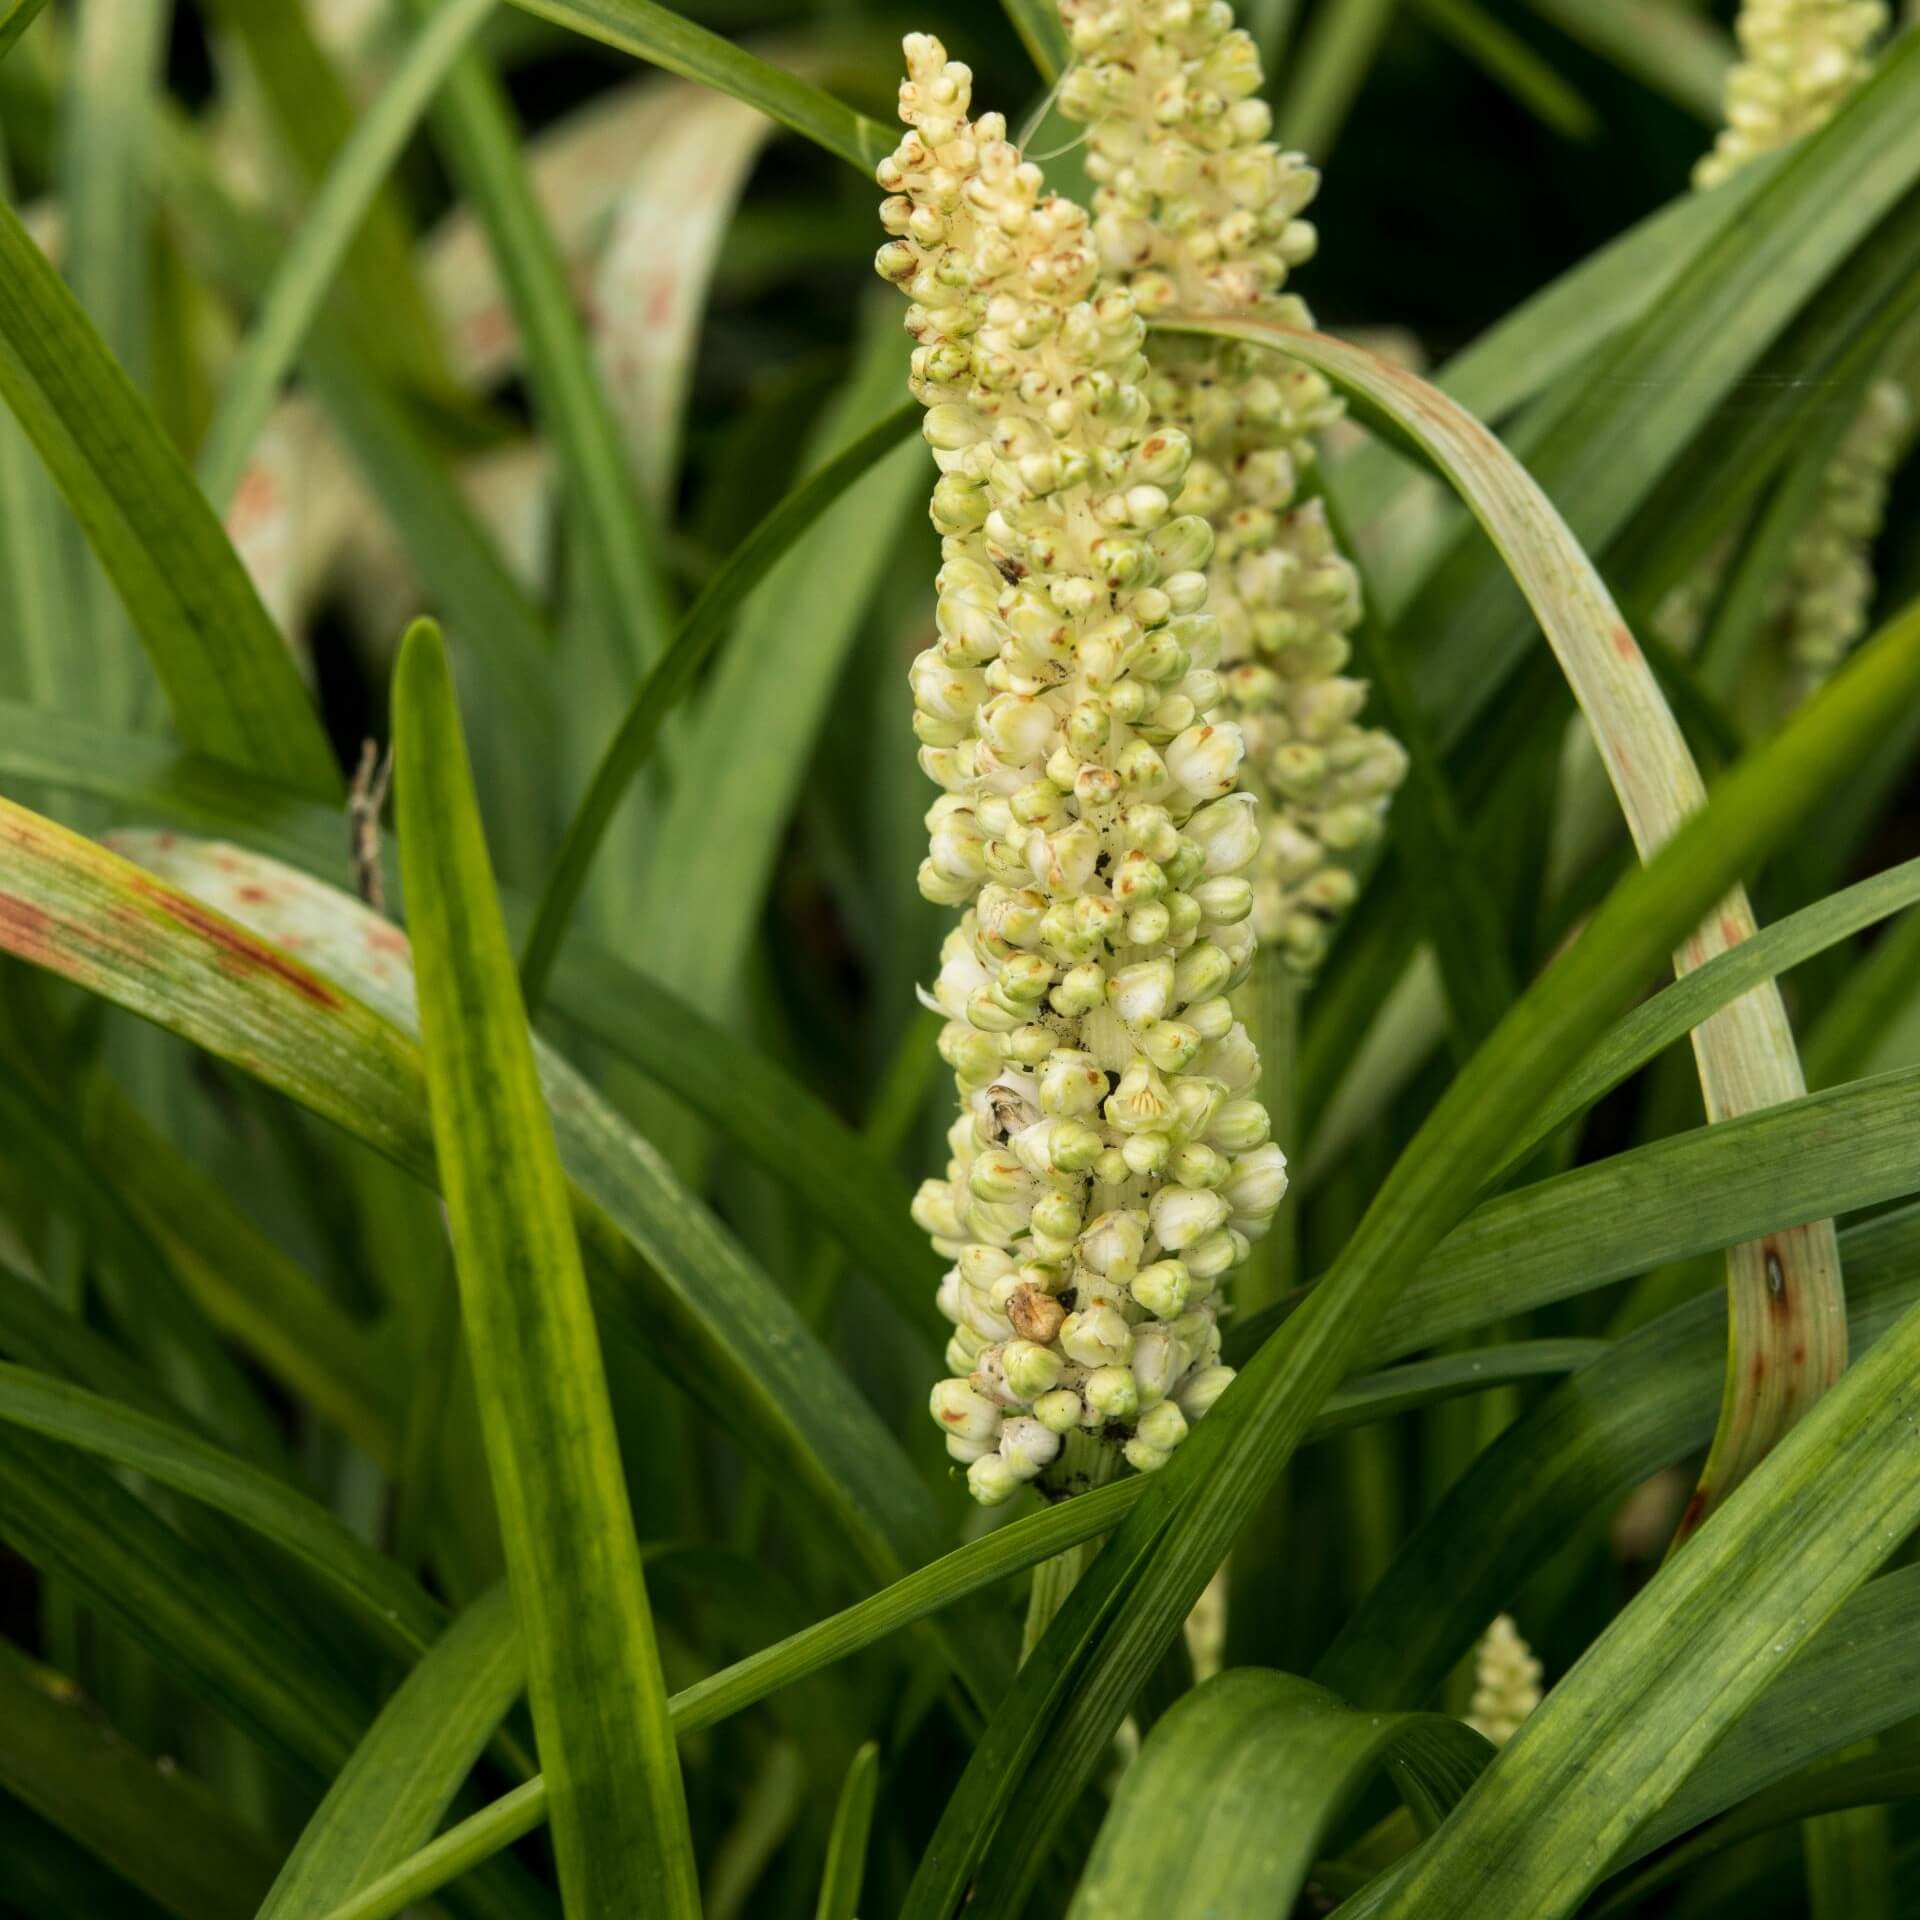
{"x":1028,"y":1046}
{"x":1223,"y":901}
{"x":1053,"y":1146}
{"x":1059,"y":1411}
{"x":1142,"y":993}
{"x":1171,"y":1045}
{"x":1163,"y":1289}
{"x":1070,"y":1083}
{"x":934,"y":1212}
{"x":1181,"y":1215}
{"x":1112,"y":1244}
{"x":1257,"y":1185}
{"x":1197,"y":1393}
{"x":1239,"y":1126}
{"x":992,"y":1480}
{"x":1206,"y":759}
{"x":1145,"y":1154}
{"x":1112,"y":1394}
{"x":1227,"y":832}
{"x":1163,"y":1426}
{"x":1214,"y":1254}
{"x":1197,"y":1165}
{"x":1196,"y":1098}
{"x":1097,"y":1336}
{"x":965,"y":1452}
{"x":1157,"y":1362}
{"x":1200,"y":974}
{"x":1057,"y":1219}
{"x":1235,"y":1061}
{"x":1141,"y":1456}
{"x":1081,"y":989}
{"x":1028,"y":1446}
{"x":958,"y":1409}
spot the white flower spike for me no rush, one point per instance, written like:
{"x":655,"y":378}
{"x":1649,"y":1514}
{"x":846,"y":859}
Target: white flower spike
{"x":1107,"y":1165}
{"x":1198,"y":209}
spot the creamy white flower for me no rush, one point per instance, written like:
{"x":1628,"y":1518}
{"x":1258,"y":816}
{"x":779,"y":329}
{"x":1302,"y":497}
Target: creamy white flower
{"x":963,"y":1413}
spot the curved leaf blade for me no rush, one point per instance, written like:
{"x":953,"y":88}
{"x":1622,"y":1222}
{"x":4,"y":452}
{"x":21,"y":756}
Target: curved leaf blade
{"x":232,"y":684}
{"x":593,"y":1668}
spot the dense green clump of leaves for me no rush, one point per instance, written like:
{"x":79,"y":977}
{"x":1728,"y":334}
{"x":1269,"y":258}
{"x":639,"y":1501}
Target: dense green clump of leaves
{"x":466,"y":1319}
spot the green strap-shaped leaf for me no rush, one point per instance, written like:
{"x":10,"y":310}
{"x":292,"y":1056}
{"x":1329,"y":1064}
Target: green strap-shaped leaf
{"x":1238,"y":1787}
{"x":1678,"y":53}
{"x":847,"y":1844}
{"x":390,"y":1797}
{"x":1788,"y":1340}
{"x":383,"y":1593}
{"x":307,"y":269}
{"x":159,"y":1828}
{"x":1695,"y":1192}
{"x":593,"y":1668}
{"x":16,"y":16}
{"x":657,"y":34}
{"x":1645,"y":1404}
{"x":232,"y":684}
{"x":1685,"y":1658}
{"x":1038,"y":24}
{"x":1055,"y":1723}
{"x":673,"y":675}
{"x":997,"y":1556}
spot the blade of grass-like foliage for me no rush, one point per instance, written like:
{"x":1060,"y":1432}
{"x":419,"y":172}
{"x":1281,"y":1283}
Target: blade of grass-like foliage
{"x":1886,"y":1774}
{"x":108,"y":262}
{"x":313,"y":113}
{"x":157,"y":1827}
{"x":847,"y":1844}
{"x":997,"y":1556}
{"x":142,"y":1293}
{"x":1041,"y":32}
{"x":232,"y":685}
{"x":51,"y":1877}
{"x":1683,"y":1660}
{"x":1337,"y":49}
{"x":1857,"y":1024}
{"x":1647,"y":1403}
{"x":383,"y":1593}
{"x":1772,"y":951}
{"x":70,"y":906}
{"x":657,"y":264}
{"x":389,"y":1798}
{"x":1846,"y":1147}
{"x":1056,"y":1722}
{"x":489,"y":609}
{"x":325,"y":237}
{"x":699,"y":631}
{"x":855,"y":1193}
{"x":1787,"y":1343}
{"x":1239,"y":1785}
{"x":1511,"y":63}
{"x":736,"y":1089}
{"x":16,"y":16}
{"x":593,"y":1669}
{"x":75,"y":1522}
{"x":1600,"y":445}
{"x":1679,"y":54}
{"x":475,"y":124}
{"x":761,"y":714}
{"x":250,"y":1289}
{"x":657,"y":34}
{"x":35,"y":596}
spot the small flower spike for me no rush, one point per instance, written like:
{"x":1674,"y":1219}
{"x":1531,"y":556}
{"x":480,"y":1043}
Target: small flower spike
{"x":1109,"y":1163}
{"x":1799,"y":60}
{"x":1197,"y":209}
{"x":1506,"y":1683}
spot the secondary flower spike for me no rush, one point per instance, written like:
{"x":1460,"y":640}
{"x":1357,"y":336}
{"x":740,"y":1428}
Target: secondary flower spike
{"x":1109,"y":1163}
{"x":1197,"y":209}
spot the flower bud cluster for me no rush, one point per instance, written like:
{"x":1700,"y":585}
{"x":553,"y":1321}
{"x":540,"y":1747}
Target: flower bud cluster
{"x":1198,"y":209}
{"x":1506,"y":1683}
{"x":1109,"y":1163}
{"x":1799,"y":60}
{"x":1829,"y":585}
